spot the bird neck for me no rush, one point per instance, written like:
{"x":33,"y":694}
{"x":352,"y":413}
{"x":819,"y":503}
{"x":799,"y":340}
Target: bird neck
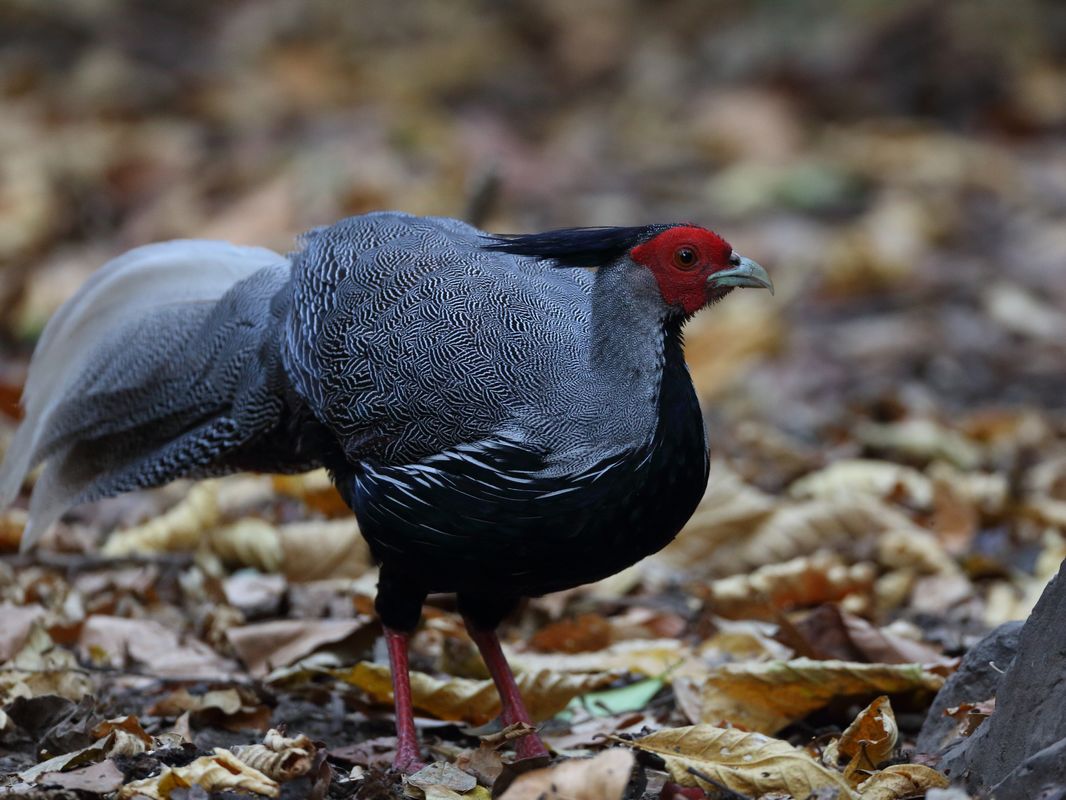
{"x":633,"y":333}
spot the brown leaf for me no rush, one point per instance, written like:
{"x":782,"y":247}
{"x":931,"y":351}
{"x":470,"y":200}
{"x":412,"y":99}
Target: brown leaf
{"x":771,"y":589}
{"x":604,"y":777}
{"x":303,"y":551}
{"x":476,"y":702}
{"x":581,"y":634}
{"x":747,"y":763}
{"x":102,"y":778}
{"x":18,"y":620}
{"x":235,"y":708}
{"x":768,"y":696}
{"x":970,"y":716}
{"x":157,"y":648}
{"x":264,"y":646}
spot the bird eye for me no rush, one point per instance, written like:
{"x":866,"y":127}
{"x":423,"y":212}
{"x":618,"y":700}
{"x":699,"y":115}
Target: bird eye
{"x":685,"y":257}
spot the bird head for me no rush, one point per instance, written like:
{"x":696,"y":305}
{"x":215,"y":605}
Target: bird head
{"x":692,"y":266}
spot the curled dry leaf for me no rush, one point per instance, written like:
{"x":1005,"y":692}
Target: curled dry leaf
{"x":750,"y":764}
{"x":902,"y":781}
{"x":882,"y":479}
{"x":279,"y":757}
{"x":128,"y":738}
{"x":604,"y":777}
{"x":220,"y":772}
{"x":476,"y":702}
{"x":179,"y":528}
{"x":303,"y":551}
{"x":867,"y":743}
{"x":768,"y":696}
{"x":770,"y":589}
{"x":730,"y":508}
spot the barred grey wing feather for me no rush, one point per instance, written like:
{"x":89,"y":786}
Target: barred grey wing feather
{"x":407,"y":337}
{"x":163,"y":362}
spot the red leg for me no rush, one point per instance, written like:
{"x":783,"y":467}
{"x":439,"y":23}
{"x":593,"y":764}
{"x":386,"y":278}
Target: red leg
{"x":408,"y":759}
{"x":514,"y":710}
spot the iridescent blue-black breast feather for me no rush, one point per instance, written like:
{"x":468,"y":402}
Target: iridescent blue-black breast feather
{"x":503,"y":436}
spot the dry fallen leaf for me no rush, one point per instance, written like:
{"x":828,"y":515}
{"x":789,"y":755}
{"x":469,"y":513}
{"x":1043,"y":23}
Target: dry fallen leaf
{"x":476,"y":702}
{"x":303,"y":551}
{"x":750,"y":764}
{"x":768,"y":696}
{"x":604,"y":777}
{"x":220,"y":772}
{"x":849,"y":524}
{"x":179,"y":528}
{"x":264,"y":646}
{"x":867,"y":743}
{"x":902,"y":781}
{"x":765,"y":592}
{"x":152,"y":645}
{"x":883,"y":479}
{"x":279,"y":757}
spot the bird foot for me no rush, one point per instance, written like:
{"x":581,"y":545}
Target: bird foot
{"x":530,"y":747}
{"x":408,"y":761}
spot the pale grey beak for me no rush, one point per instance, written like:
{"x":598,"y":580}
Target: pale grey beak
{"x":744,"y":272}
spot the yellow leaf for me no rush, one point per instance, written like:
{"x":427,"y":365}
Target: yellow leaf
{"x":770,"y":695}
{"x":747,"y":763}
{"x":178,"y":528}
{"x":545,"y":693}
{"x":604,"y":777}
{"x":220,"y":772}
{"x":902,"y":780}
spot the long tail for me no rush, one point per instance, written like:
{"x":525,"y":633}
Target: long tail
{"x":165,"y":364}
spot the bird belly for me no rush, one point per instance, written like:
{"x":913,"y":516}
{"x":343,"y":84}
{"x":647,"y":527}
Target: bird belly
{"x":487,"y":520}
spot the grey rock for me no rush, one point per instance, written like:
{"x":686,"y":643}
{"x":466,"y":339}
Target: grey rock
{"x":1020,"y":752}
{"x":977,"y":679}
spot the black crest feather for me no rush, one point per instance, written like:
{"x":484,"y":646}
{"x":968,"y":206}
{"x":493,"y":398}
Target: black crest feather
{"x":575,"y":247}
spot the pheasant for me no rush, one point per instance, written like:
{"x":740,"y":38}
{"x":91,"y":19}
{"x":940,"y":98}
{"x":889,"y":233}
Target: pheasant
{"x":505,"y":415}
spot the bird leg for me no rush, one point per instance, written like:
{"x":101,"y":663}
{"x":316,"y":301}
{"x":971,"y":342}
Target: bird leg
{"x":408,"y":760}
{"x":514,"y":710}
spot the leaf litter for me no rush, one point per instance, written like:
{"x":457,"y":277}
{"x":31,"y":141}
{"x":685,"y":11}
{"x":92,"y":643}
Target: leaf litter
{"x":888,"y":438}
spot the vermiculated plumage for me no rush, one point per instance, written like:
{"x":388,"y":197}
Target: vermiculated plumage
{"x":502,"y":421}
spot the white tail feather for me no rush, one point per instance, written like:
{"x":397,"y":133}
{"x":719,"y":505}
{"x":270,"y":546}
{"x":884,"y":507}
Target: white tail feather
{"x":125,"y":290}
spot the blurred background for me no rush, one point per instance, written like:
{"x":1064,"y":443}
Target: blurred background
{"x":897,"y":166}
{"x":888,"y":431}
